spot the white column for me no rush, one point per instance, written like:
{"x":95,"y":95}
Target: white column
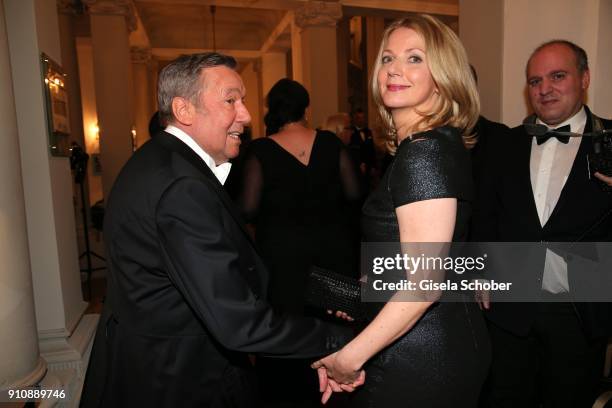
{"x":296,"y":52}
{"x":64,"y":335}
{"x":273,"y":68}
{"x":20,"y":362}
{"x":110,"y":21}
{"x":251,"y":76}
{"x":319,"y":56}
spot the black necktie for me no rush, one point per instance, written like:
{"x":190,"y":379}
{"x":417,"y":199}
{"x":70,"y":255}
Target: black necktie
{"x":552,"y":133}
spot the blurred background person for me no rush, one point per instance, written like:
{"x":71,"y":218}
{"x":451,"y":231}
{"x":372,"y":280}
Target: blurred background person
{"x":362,"y":141}
{"x":487,"y":134}
{"x":340,"y":125}
{"x":296,"y":186}
{"x":362,"y":149}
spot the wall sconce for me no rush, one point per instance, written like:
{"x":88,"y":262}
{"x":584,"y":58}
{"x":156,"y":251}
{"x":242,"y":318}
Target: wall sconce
{"x":95,"y":131}
{"x":133,"y":132}
{"x":92,"y":137}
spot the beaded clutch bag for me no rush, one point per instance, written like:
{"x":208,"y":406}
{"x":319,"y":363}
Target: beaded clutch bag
{"x":328,"y":290}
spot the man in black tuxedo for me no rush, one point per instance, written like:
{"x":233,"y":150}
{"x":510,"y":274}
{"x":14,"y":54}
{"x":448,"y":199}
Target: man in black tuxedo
{"x":187,"y":291}
{"x":540,"y":190}
{"x":486,"y":132}
{"x":361,"y":145}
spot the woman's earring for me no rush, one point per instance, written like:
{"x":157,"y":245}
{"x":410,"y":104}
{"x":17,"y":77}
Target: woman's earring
{"x":393,"y":136}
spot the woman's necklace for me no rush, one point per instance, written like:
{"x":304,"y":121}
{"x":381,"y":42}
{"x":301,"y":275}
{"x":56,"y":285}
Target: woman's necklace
{"x":292,"y":127}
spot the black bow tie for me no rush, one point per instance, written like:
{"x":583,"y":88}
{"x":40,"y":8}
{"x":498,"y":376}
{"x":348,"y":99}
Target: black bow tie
{"x":553,"y":133}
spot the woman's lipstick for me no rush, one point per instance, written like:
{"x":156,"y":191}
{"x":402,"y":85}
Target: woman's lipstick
{"x":395,"y":88}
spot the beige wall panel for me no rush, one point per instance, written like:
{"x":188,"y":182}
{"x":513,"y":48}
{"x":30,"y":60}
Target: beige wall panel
{"x":111,"y":61}
{"x":483,"y":41}
{"x":530,"y":23}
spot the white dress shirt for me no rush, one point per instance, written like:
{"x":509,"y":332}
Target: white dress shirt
{"x":550,"y":165}
{"x":221,"y":171}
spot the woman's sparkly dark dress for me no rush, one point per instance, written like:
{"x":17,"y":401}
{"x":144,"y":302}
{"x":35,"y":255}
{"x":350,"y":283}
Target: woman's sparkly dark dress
{"x":443,"y":360}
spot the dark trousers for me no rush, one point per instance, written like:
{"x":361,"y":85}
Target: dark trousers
{"x":554,"y":366}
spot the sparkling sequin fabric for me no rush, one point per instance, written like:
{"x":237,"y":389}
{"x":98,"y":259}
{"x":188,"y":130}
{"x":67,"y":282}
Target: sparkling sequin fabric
{"x":443,"y":360}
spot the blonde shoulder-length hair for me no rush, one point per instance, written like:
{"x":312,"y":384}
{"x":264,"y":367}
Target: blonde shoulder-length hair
{"x":458,"y":104}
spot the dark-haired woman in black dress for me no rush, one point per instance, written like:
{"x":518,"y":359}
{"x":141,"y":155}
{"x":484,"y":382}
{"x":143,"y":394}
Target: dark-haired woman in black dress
{"x":296,"y":186}
{"x":419,"y":354}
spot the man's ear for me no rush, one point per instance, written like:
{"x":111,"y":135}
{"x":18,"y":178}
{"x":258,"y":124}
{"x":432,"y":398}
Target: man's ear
{"x":586,"y":79}
{"x":183,"y":110}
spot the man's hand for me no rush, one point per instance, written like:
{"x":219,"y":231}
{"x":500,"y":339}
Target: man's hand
{"x":605,"y":179}
{"x":482,"y":297}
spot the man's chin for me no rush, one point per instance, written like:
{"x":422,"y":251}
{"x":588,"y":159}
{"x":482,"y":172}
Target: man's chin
{"x":550,"y":117}
{"x":232,"y":152}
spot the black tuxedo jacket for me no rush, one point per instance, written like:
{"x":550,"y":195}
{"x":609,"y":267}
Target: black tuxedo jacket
{"x":363,"y":151}
{"x":187,"y":292}
{"x":487,"y":132}
{"x":505,"y":211}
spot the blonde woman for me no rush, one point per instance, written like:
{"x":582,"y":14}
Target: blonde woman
{"x":419,"y":354}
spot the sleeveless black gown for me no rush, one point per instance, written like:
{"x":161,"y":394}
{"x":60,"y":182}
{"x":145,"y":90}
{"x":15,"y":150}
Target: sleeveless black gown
{"x":443,"y":360}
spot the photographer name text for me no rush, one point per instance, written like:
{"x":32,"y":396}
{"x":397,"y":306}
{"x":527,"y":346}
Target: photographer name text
{"x":448,"y":285}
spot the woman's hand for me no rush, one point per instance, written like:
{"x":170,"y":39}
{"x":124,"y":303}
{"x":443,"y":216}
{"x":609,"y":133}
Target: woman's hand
{"x":605,"y":179}
{"x":339,"y":369}
{"x":328,"y":386}
{"x":328,"y":367}
{"x":341,"y":315}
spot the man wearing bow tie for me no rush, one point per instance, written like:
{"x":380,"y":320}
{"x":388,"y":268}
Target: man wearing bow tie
{"x":540,"y":190}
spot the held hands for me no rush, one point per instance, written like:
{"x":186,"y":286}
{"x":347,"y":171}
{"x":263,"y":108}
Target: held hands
{"x":335,"y":376}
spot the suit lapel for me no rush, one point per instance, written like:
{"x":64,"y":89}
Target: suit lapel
{"x":174,"y":144}
{"x":574,"y":175}
{"x":523,"y":158}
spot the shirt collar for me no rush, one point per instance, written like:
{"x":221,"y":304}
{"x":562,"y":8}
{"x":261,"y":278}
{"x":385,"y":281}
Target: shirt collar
{"x":577,"y":122}
{"x":221,"y":171}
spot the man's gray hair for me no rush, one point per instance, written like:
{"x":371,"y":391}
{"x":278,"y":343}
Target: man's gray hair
{"x":181,"y":78}
{"x":582,"y":62}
